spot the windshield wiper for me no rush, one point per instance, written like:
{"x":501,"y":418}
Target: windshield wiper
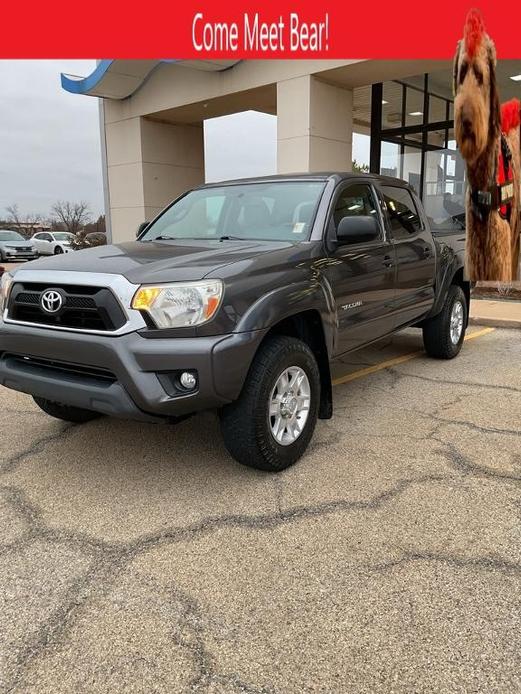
{"x":197,"y":238}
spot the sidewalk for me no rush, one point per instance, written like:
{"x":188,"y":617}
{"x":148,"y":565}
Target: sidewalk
{"x":499,"y":314}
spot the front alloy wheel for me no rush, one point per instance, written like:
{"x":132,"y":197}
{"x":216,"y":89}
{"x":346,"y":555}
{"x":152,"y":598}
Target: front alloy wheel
{"x":289,"y":405}
{"x":271,"y":424}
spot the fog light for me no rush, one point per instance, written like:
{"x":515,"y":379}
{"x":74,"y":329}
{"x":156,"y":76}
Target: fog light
{"x":188,"y":380}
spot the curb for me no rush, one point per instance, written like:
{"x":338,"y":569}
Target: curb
{"x":496,"y":322}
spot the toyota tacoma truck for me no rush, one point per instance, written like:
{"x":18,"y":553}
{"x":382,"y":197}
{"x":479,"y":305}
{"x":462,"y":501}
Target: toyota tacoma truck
{"x":238,"y":297}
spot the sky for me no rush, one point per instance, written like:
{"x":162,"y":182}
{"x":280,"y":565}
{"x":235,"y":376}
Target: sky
{"x":50,"y":140}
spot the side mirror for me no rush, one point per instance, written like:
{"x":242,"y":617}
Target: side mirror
{"x":357,"y":229}
{"x":141,"y":228}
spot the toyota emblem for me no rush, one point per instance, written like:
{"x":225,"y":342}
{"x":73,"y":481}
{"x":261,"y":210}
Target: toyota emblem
{"x":51,"y":301}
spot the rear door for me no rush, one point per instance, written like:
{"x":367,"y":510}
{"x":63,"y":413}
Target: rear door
{"x":362,"y":275}
{"x":414,"y":251}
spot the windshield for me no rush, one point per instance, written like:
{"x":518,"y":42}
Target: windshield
{"x":62,"y":236}
{"x":271,"y":211}
{"x":11,"y":236}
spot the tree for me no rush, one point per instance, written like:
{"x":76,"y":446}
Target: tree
{"x":96,"y":227}
{"x":360,"y":168}
{"x":73,"y":215}
{"x":13,"y":214}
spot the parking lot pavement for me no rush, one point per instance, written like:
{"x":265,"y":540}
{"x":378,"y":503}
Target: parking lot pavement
{"x":140,"y":558}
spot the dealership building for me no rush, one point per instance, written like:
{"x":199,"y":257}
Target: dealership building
{"x":152,"y":116}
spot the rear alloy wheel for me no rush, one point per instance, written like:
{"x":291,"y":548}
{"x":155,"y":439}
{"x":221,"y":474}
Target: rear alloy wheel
{"x":443,"y":334}
{"x":271,"y":424}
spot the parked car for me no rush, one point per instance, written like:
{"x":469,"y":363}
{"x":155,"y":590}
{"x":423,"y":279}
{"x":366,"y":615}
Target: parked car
{"x":53,"y":242}
{"x":14,"y":247}
{"x":2,"y":270}
{"x":238,"y":297}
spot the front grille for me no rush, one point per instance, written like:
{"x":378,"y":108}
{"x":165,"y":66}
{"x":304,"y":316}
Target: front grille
{"x":65,"y":371}
{"x":83,"y":308}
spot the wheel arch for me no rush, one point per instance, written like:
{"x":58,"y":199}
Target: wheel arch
{"x":454,"y":277}
{"x":459,"y":279}
{"x":308,"y":326}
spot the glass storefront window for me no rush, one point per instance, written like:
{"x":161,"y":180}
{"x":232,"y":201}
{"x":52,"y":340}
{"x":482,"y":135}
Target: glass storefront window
{"x":444,"y":190}
{"x":390,"y":160}
{"x":437,"y":109}
{"x":411,"y":168}
{"x":406,"y":143}
{"x":392,"y":105}
{"x":414,"y":107}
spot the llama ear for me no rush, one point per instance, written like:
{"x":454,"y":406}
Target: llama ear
{"x":456,"y":68}
{"x":495,"y":109}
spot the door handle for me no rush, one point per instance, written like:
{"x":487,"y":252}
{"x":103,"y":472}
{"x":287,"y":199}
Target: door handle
{"x":427,"y":252}
{"x":387,"y":261}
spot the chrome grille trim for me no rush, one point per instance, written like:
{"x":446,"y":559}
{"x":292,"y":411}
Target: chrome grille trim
{"x":121,"y":288}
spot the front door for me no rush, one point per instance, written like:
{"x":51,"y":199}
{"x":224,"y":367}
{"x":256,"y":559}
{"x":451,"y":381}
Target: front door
{"x":362,"y":275}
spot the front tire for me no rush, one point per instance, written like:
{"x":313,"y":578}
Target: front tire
{"x":67,"y":413}
{"x":444,"y":333}
{"x":58,"y":250}
{"x":271,"y":424}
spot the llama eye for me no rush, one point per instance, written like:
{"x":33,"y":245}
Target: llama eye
{"x":478,"y":74}
{"x":463,"y":72}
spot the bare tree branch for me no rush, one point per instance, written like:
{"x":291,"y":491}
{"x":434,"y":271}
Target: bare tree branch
{"x":14,"y":214}
{"x":73,"y":215}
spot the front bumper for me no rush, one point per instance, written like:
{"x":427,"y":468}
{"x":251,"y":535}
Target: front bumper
{"x":20,"y":255}
{"x":137,"y":364}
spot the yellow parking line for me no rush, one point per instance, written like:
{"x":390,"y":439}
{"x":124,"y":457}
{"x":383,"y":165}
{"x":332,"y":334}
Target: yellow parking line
{"x":398,"y":360}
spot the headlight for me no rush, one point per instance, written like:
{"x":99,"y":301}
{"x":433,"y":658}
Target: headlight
{"x":180,"y":305}
{"x":5,"y":288}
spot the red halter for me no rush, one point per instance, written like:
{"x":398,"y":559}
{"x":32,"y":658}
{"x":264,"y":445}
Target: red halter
{"x":510,"y":119}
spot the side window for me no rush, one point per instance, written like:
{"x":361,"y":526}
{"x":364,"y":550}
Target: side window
{"x":403,"y":215}
{"x":355,"y":200}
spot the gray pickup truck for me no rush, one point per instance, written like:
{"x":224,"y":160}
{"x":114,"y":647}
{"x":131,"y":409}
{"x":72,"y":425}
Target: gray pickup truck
{"x":238,"y":297}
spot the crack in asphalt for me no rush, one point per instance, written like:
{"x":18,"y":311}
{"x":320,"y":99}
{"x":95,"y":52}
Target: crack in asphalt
{"x":464,"y":465}
{"x":11,"y":463}
{"x":471,"y":384}
{"x":488,"y":563}
{"x":109,"y":559}
{"x":192,"y":620}
{"x":463,"y":423}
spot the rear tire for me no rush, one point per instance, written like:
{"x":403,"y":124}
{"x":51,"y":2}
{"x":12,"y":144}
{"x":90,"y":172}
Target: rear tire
{"x":444,"y":333}
{"x":67,"y":413}
{"x":280,"y":397}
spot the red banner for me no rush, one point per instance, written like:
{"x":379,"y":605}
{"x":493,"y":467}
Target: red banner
{"x":216,"y":30}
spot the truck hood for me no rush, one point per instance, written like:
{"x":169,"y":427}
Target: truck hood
{"x":159,"y":261}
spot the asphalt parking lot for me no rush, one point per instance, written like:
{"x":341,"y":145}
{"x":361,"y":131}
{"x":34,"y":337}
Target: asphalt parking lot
{"x":141,"y":558}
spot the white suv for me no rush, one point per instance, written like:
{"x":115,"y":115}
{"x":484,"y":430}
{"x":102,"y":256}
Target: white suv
{"x":53,"y":242}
